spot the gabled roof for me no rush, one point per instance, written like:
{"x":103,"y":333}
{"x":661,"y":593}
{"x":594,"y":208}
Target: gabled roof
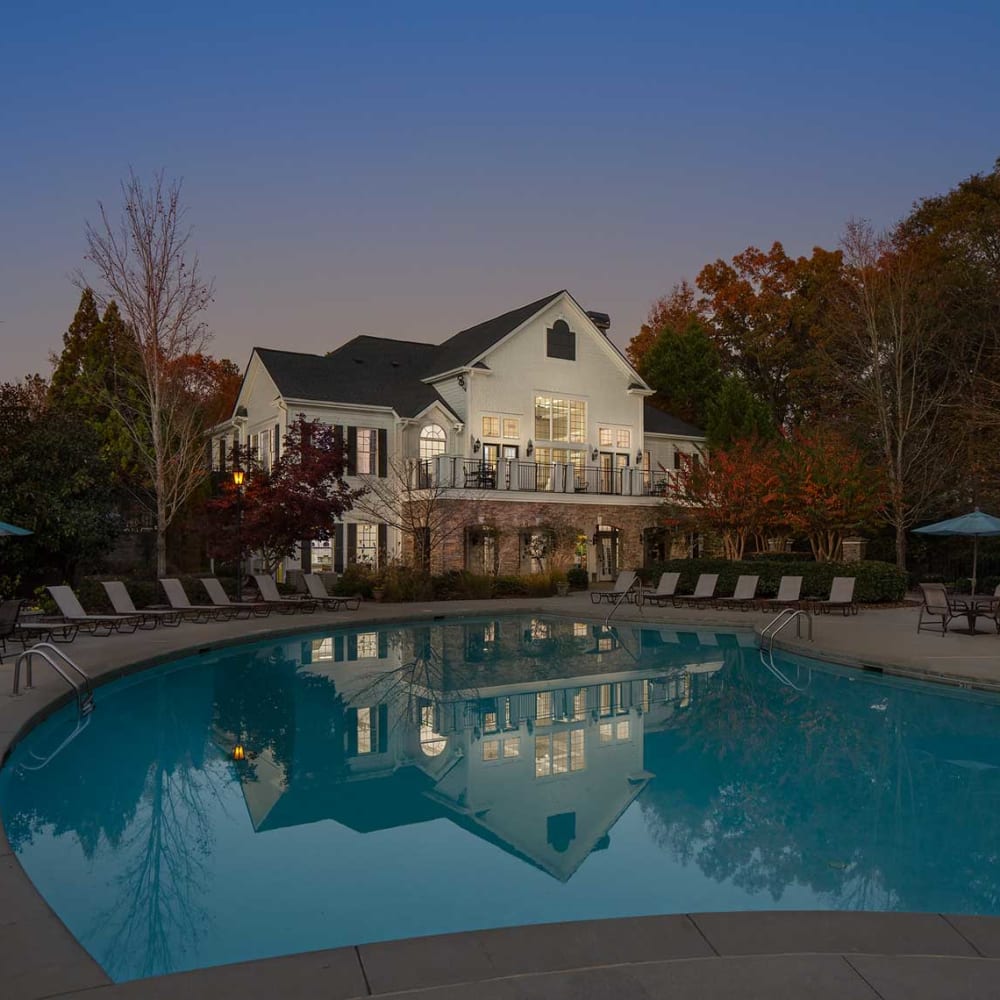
{"x":466,"y":346}
{"x":658,"y":422}
{"x":368,"y":371}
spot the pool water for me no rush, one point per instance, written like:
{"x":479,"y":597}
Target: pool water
{"x":441,"y":777}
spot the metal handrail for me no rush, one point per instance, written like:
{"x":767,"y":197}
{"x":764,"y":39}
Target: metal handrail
{"x":622,"y":596}
{"x":767,"y":658}
{"x":793,"y":615}
{"x":81,"y":724}
{"x":84,"y":692}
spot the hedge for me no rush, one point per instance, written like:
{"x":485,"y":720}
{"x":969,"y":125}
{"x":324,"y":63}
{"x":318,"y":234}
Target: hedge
{"x":875,"y":582}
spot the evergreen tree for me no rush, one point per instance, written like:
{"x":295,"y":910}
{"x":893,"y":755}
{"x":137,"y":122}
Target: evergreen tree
{"x":735,"y":413}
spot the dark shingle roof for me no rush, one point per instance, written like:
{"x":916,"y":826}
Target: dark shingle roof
{"x":467,"y":345}
{"x":658,"y":422}
{"x":370,"y":371}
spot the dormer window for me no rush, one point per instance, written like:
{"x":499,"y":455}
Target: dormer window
{"x":560,"y":341}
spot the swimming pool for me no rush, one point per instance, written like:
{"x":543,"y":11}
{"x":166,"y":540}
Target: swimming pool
{"x":437,"y":777}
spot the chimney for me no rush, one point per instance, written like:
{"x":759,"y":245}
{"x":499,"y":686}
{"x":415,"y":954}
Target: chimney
{"x":601,"y":320}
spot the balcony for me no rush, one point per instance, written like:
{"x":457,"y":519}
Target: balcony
{"x":513,"y":476}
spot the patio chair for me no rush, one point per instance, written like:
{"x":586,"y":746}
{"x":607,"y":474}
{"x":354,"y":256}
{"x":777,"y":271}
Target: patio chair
{"x":744,"y":596}
{"x":241,"y":609}
{"x":625,"y":582}
{"x":72,"y":611}
{"x":317,"y":590}
{"x":788,"y":596}
{"x":178,"y":599}
{"x":841,"y":596}
{"x":935,"y":605}
{"x":704,"y":592}
{"x":122,"y":602}
{"x":664,"y":592}
{"x":9,"y":610}
{"x":269,"y":592}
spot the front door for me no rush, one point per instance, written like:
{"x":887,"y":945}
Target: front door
{"x":607,"y":552}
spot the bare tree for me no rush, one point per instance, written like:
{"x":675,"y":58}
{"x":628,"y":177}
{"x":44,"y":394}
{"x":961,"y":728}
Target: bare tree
{"x":413,"y":500}
{"x":892,"y":359}
{"x":147,"y":267}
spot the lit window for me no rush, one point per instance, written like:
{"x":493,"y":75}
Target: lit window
{"x":539,"y":630}
{"x":491,"y":427}
{"x":491,"y":749}
{"x":322,"y":649}
{"x":543,"y":755}
{"x":624,"y":439}
{"x":366,"y":451}
{"x":579,"y":704}
{"x":606,"y":644}
{"x":364,"y":730}
{"x":490,"y":722}
{"x":577,"y":760}
{"x":367,"y":645}
{"x":605,"y":699}
{"x":512,"y":747}
{"x":543,"y":707}
{"x":604,"y":437}
{"x":560,"y":753}
{"x":581,"y":630}
{"x":607,"y":732}
{"x":511,"y":428}
{"x":367,"y":551}
{"x":624,"y":729}
{"x":432,"y":742}
{"x":560,"y":419}
{"x":432,"y":441}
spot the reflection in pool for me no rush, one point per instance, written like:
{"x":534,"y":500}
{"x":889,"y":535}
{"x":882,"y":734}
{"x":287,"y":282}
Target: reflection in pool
{"x":432,"y":778}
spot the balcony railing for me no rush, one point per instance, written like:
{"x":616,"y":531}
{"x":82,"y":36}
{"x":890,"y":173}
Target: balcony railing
{"x":511,"y":475}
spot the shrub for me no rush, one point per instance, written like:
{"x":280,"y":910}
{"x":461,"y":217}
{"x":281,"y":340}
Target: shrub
{"x":577,"y":577}
{"x":876,"y":582}
{"x":355,"y":580}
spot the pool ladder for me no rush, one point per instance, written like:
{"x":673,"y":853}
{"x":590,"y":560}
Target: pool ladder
{"x":634,"y":587}
{"x":47,"y":652}
{"x":780,"y":621}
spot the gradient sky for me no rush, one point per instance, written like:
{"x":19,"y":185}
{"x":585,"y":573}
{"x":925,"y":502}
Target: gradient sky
{"x":409,"y":169}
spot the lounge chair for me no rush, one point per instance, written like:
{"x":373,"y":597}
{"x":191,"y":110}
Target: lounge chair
{"x":269,"y":592}
{"x":625,"y":582}
{"x":841,"y":596}
{"x":72,"y":611}
{"x":178,"y":599}
{"x":704,"y":592}
{"x":744,"y":596}
{"x":122,"y":602}
{"x":788,"y":596}
{"x":317,"y":590}
{"x":241,"y":609}
{"x":936,"y":605}
{"x":9,"y":611}
{"x":665,"y":590}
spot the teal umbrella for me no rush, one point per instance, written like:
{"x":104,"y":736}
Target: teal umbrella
{"x":976,"y":524}
{"x":13,"y":529}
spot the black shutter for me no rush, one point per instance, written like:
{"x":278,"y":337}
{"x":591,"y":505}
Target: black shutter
{"x":383,"y":644}
{"x":383,"y":541}
{"x":306,"y":654}
{"x":352,"y":451}
{"x":306,"y":546}
{"x":383,"y":457}
{"x":352,"y":543}
{"x":352,"y":732}
{"x":338,"y":648}
{"x":383,"y":728}
{"x":352,"y":647}
{"x":277,"y":442}
{"x":338,"y":440}
{"x":338,"y":548}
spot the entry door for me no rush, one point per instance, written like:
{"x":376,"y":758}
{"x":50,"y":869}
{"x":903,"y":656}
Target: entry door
{"x":607,"y":554}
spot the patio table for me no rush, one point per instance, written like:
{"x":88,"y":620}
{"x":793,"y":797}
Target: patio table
{"x":973,"y":606}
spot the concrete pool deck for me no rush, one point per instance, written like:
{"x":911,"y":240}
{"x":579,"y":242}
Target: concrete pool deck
{"x":723,"y":955}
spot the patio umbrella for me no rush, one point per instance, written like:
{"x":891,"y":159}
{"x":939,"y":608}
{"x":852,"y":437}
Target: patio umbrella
{"x":13,"y":529}
{"x":975,"y":525}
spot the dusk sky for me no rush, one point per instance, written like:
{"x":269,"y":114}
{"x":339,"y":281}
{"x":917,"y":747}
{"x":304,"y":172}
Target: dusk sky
{"x":409,"y":169}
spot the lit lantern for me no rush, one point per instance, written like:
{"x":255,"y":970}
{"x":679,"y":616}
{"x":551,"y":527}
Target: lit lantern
{"x":239,"y":753}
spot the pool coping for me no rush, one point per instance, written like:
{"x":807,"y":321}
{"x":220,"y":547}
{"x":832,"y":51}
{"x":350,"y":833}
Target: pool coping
{"x":40,"y":958}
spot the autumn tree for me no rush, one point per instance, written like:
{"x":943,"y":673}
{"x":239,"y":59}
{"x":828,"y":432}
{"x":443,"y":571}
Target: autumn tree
{"x":675,"y":311}
{"x":735,"y":495}
{"x":828,"y":489}
{"x":763,"y":310}
{"x":146,"y":265}
{"x":301,"y":496}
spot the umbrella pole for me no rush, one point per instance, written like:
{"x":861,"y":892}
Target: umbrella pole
{"x":975,"y":550}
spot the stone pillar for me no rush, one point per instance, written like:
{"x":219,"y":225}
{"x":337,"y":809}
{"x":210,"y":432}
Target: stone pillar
{"x":853,"y":549}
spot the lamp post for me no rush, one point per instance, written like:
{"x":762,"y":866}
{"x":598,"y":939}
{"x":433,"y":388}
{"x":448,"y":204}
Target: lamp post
{"x":238,"y":483}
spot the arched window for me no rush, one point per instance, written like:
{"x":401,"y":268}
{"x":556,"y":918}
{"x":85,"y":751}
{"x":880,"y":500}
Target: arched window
{"x":432,"y":441}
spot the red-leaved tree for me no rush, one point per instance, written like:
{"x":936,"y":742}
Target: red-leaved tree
{"x":301,"y":497}
{"x":735,"y":496}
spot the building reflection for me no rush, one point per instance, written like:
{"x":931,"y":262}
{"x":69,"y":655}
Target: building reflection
{"x":527,"y":732}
